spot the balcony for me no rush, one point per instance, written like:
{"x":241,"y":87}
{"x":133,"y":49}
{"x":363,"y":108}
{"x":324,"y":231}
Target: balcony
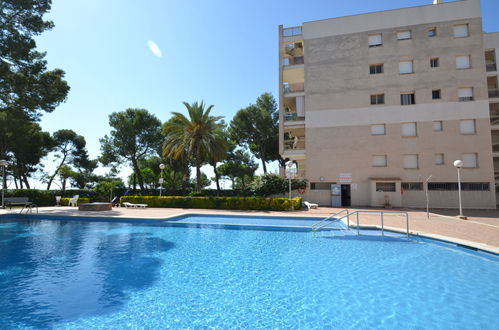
{"x":495,"y":141}
{"x":292,"y":116}
{"x":293,"y":88}
{"x":493,"y":93}
{"x":494,"y":113}
{"x":292,"y":31}
{"x":492,"y":86}
{"x":297,"y":143}
{"x":490,"y":60}
{"x":296,"y":60}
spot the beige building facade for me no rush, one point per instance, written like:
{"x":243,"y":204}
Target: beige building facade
{"x":373,"y":105}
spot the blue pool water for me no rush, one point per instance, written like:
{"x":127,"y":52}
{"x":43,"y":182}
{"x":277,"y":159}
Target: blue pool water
{"x":71,"y":274}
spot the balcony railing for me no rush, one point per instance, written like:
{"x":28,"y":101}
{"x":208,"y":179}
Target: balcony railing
{"x":295,"y":144}
{"x":292,"y":116}
{"x":294,"y":60}
{"x":493,"y":93}
{"x":491,"y":67}
{"x":293,"y":31}
{"x":294,"y":88}
{"x":466,"y":98}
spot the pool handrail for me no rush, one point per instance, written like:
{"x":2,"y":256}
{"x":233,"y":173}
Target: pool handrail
{"x":365,"y":211}
{"x":318,"y":225}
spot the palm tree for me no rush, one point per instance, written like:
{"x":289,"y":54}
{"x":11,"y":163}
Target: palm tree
{"x":198,"y":135}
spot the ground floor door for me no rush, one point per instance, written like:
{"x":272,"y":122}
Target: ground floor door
{"x":346,"y":199}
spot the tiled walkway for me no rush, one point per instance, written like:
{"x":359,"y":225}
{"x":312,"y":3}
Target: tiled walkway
{"x":481,"y":230}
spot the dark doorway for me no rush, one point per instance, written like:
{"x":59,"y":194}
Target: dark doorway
{"x":346,"y":200}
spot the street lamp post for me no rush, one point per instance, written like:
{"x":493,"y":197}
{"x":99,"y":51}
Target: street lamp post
{"x":3,"y":163}
{"x":458,"y":164}
{"x":161,"y":167}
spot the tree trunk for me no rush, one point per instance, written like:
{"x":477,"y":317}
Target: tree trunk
{"x":26,"y":183}
{"x":216,"y":177}
{"x":198,"y":169}
{"x":136,"y":169}
{"x":264,"y":166}
{"x":134,"y":183}
{"x":56,"y":171}
{"x":15,"y":183}
{"x":64,"y":184}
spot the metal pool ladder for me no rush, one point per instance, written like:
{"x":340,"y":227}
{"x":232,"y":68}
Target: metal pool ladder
{"x":329,"y":220}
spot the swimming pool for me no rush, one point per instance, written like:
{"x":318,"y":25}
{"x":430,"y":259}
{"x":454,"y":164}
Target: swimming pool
{"x":82,"y":274}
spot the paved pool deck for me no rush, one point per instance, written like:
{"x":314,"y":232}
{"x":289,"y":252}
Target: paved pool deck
{"x":480,"y":230}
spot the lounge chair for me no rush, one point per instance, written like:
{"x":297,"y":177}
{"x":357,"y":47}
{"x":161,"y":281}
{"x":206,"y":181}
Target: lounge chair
{"x":127,"y":205}
{"x":310,"y":205}
{"x":73,"y":201}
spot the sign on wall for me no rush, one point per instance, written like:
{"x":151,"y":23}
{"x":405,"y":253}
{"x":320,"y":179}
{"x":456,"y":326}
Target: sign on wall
{"x":345,"y":178}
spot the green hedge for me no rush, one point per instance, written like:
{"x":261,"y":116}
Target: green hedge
{"x":65,"y":201}
{"x":47,"y":197}
{"x":225,"y":203}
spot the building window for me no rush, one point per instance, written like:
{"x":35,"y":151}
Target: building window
{"x":452,"y":186}
{"x":470,"y":160}
{"x":438,"y":126}
{"x":375,"y":40}
{"x":404,"y":35}
{"x":435,"y":94}
{"x":439,"y":159}
{"x":407,"y":98}
{"x":461,"y":31}
{"x":378,"y":129}
{"x":406,"y":67}
{"x":463,"y":62}
{"x":465,"y":94}
{"x":432,"y":32}
{"x":386,"y":187}
{"x":375,"y":68}
{"x":377,"y":99}
{"x":379,"y":161}
{"x":412,"y":185}
{"x":411,"y":161}
{"x":434,"y":62}
{"x":409,"y":129}
{"x":468,"y":126}
{"x":321,"y":185}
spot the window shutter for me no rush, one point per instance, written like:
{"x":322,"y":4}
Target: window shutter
{"x":468,"y":126}
{"x":379,"y":160}
{"x":470,"y":160}
{"x":405,"y":67}
{"x":410,"y":161}
{"x":300,"y":106}
{"x":463,"y":62}
{"x":378,"y":129}
{"x":409,"y":129}
{"x":439,"y":159}
{"x":375,"y":39}
{"x":437,"y":126}
{"x":465,"y":92}
{"x":404,"y":35}
{"x":461,"y":30}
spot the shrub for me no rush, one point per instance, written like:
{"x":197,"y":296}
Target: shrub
{"x":225,"y":203}
{"x":273,"y":184}
{"x":47,"y":197}
{"x":65,"y":201}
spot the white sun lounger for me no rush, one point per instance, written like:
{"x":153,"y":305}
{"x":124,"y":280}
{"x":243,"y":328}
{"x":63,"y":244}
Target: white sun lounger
{"x":127,"y":205}
{"x":310,"y":205}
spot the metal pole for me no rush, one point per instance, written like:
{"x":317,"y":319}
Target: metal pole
{"x":358,"y":223}
{"x":289,"y":179}
{"x":459,"y":190}
{"x":3,"y":185}
{"x":382,"y":225}
{"x":407,"y":223}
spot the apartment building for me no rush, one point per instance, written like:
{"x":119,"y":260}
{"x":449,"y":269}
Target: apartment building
{"x":375,"y":108}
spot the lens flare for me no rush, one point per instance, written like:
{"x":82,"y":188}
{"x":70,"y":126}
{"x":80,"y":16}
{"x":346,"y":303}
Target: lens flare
{"x":154,"y":48}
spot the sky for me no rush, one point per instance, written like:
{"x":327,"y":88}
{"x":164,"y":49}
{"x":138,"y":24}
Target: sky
{"x":223,"y":52}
